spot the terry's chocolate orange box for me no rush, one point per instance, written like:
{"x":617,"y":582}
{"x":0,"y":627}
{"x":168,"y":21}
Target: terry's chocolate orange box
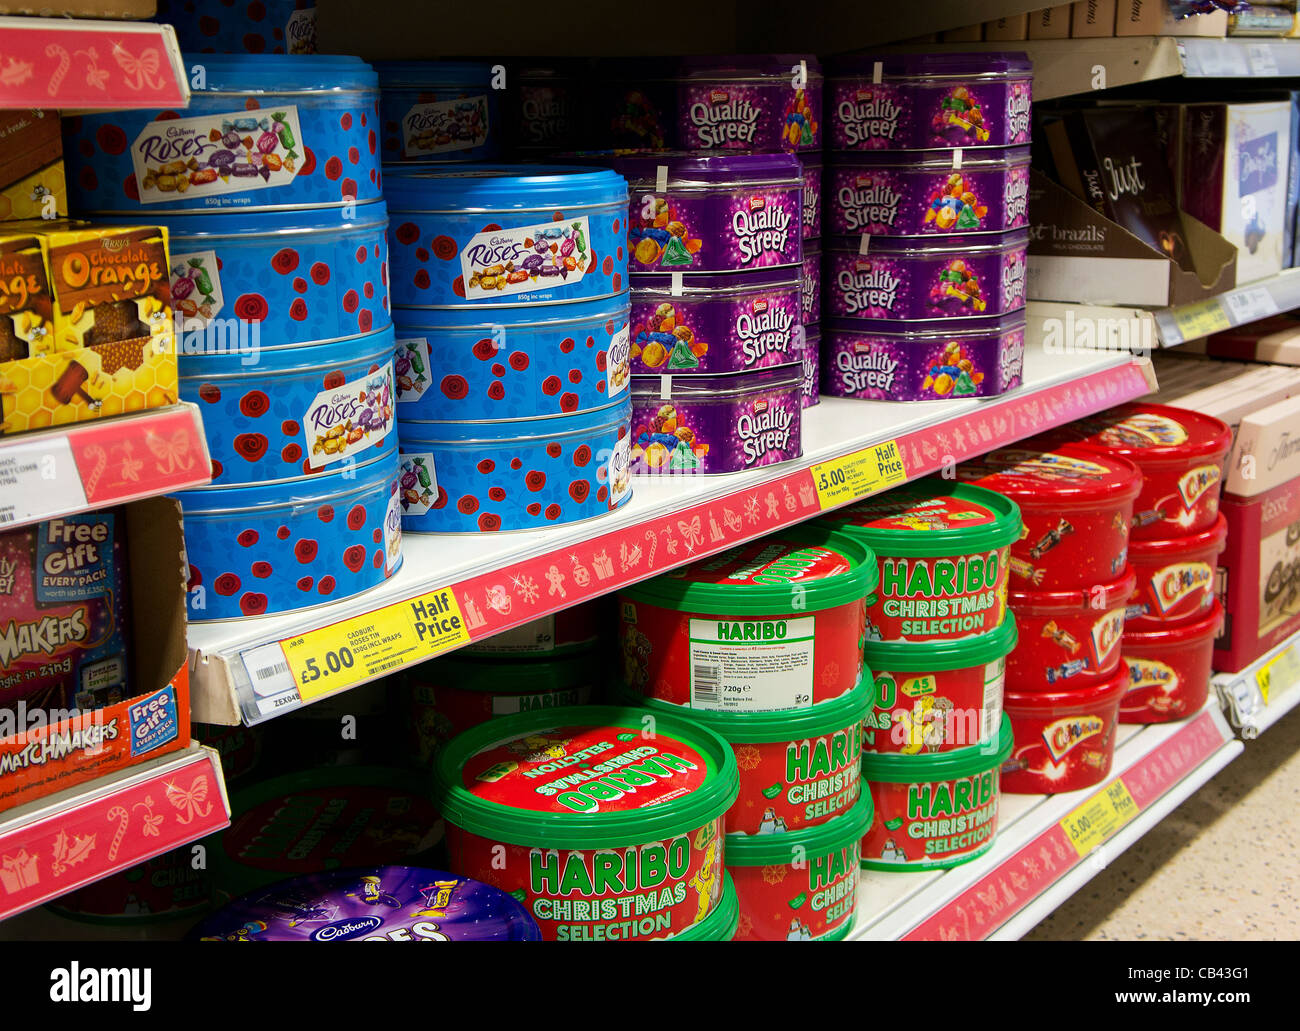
{"x":31,"y":165}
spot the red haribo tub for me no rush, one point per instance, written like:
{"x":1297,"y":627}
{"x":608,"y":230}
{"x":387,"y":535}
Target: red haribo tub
{"x":1065,"y":739}
{"x":800,"y":886}
{"x":772,"y":625}
{"x":1169,"y":669}
{"x":942,"y":553}
{"x":606,"y":831}
{"x":798,"y":768}
{"x":1180,"y":454}
{"x":934,"y":811}
{"x":936,"y":696}
{"x":1175,"y":577}
{"x":1068,"y":637}
{"x":1076,"y":506}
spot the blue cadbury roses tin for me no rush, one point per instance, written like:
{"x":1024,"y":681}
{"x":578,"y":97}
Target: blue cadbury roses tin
{"x":438,"y":111}
{"x":293,"y":411}
{"x":242,"y":26}
{"x":375,"y":903}
{"x":261,"y":133}
{"x":457,"y":365}
{"x":515,"y":474}
{"x":482,"y":235}
{"x":286,"y":546}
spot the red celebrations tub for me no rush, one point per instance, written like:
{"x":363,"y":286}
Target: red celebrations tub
{"x":1076,"y":506}
{"x":800,"y":886}
{"x":768,"y":626}
{"x":934,"y":811}
{"x":937,"y":696}
{"x":1068,"y":638}
{"x":607,"y":823}
{"x":942,"y":549}
{"x":1169,"y":669}
{"x":1180,"y":454}
{"x":1175,"y":577}
{"x":1064,"y":740}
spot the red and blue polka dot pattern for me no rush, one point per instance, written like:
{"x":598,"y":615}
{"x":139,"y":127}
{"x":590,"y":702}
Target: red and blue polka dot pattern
{"x":253,"y":414}
{"x":255,"y":551}
{"x":526,"y":481}
{"x":242,"y":26}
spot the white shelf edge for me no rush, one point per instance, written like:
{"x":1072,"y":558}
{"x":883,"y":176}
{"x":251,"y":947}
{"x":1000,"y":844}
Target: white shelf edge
{"x":1245,"y":707}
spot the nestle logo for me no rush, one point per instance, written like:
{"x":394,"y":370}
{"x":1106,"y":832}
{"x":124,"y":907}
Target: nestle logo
{"x":757,"y":203}
{"x":864,"y":94}
{"x":760,"y":305}
{"x":718,"y":96}
{"x":760,"y":406}
{"x":862,"y":265}
{"x":343,"y":930}
{"x":863,"y":181}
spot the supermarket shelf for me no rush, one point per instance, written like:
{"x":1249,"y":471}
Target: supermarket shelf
{"x":1043,"y":853}
{"x":73,"y":64}
{"x":476,"y":586}
{"x":70,"y":839}
{"x":1237,"y":307}
{"x":1263,"y":692}
{"x":112,"y":461}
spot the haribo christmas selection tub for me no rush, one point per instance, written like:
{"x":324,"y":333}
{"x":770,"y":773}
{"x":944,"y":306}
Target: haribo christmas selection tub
{"x":1076,"y":506}
{"x":291,"y":545}
{"x":800,"y":886}
{"x":1180,"y":454}
{"x":1069,"y":637}
{"x":603,"y":831}
{"x":765,"y":104}
{"x":717,"y":423}
{"x":772,"y":625}
{"x":934,"y":811}
{"x":489,"y":235}
{"x":372,"y":903}
{"x":517,"y":474}
{"x":242,"y":26}
{"x":520,"y":362}
{"x":942,"y":552}
{"x":721,"y":924}
{"x":1175,"y":577}
{"x":438,"y":111}
{"x":920,"y":278}
{"x":925,"y":193}
{"x":715,"y":323}
{"x":936,"y":696}
{"x":293,"y":411}
{"x":1169,"y":669}
{"x":261,"y":133}
{"x":798,"y":768}
{"x":928,"y":101}
{"x":1064,"y":739}
{"x":898,"y":361}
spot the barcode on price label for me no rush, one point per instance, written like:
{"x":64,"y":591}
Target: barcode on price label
{"x":271,"y":677}
{"x":704,"y":684}
{"x":1250,"y":305}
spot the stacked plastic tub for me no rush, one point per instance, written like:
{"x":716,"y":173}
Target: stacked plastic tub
{"x":927,"y":184}
{"x":269,"y":185}
{"x":762,"y":646}
{"x":938,"y":634}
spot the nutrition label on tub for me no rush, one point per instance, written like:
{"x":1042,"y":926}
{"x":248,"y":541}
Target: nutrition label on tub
{"x":752,"y":665}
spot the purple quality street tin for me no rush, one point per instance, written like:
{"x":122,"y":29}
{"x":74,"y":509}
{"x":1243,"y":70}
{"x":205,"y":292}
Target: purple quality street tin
{"x":634,"y":106}
{"x":764,"y":104}
{"x":239,"y":27}
{"x":525,"y":361}
{"x":813,"y":172}
{"x":891,"y":361}
{"x":812,"y":366}
{"x":438,"y":111}
{"x":811,"y":282}
{"x":728,"y":322}
{"x":717,"y":424}
{"x":547,"y":106}
{"x":927,"y":101}
{"x":915,"y":193}
{"x":374,"y":903}
{"x":921,"y":278}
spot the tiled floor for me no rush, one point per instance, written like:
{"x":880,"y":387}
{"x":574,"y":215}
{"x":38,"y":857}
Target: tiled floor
{"x":1222,"y":866}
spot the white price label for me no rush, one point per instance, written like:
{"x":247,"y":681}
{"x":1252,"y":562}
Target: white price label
{"x":1262,"y":60}
{"x":272,"y":678}
{"x":38,"y":479}
{"x":1250,"y":305}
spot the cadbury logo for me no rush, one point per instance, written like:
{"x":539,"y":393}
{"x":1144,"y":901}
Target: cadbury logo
{"x":345,"y":929}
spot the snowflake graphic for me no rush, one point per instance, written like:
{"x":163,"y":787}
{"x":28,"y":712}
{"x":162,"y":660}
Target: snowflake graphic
{"x":747,"y":757}
{"x":774,"y":874}
{"x":745,"y":926}
{"x":526,"y":586}
{"x":752,"y":509}
{"x":831,"y":674}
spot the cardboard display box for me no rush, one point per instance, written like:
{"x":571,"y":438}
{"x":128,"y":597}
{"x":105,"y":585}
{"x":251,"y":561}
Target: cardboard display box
{"x":1014,"y":27}
{"x":1050,"y":22}
{"x":38,"y":758}
{"x":967,"y":34}
{"x":1152,"y":18}
{"x":1091,"y":18}
{"x":1266,"y":451}
{"x":31,"y":165}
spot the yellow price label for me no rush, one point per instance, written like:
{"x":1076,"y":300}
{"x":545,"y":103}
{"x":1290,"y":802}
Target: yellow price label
{"x":1095,"y":821}
{"x":856,"y":475}
{"x":1279,"y":674}
{"x":1202,"y":319}
{"x":1264,"y":680}
{"x":337,"y":657}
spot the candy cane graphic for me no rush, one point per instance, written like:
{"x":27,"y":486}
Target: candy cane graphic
{"x":653,"y":538}
{"x":122,"y":817}
{"x":101,"y":463}
{"x":61,"y":72}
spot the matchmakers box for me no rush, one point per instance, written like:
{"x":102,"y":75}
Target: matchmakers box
{"x":140,"y":707}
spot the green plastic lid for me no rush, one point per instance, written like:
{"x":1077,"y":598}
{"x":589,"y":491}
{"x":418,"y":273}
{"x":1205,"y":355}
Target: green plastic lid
{"x":519,"y":779}
{"x":777,"y":849}
{"x":721,"y":924}
{"x":756,"y":579}
{"x":766,"y":727}
{"x":930,"y":656}
{"x":930,"y":517}
{"x":896,"y":768}
{"x":501,"y":675}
